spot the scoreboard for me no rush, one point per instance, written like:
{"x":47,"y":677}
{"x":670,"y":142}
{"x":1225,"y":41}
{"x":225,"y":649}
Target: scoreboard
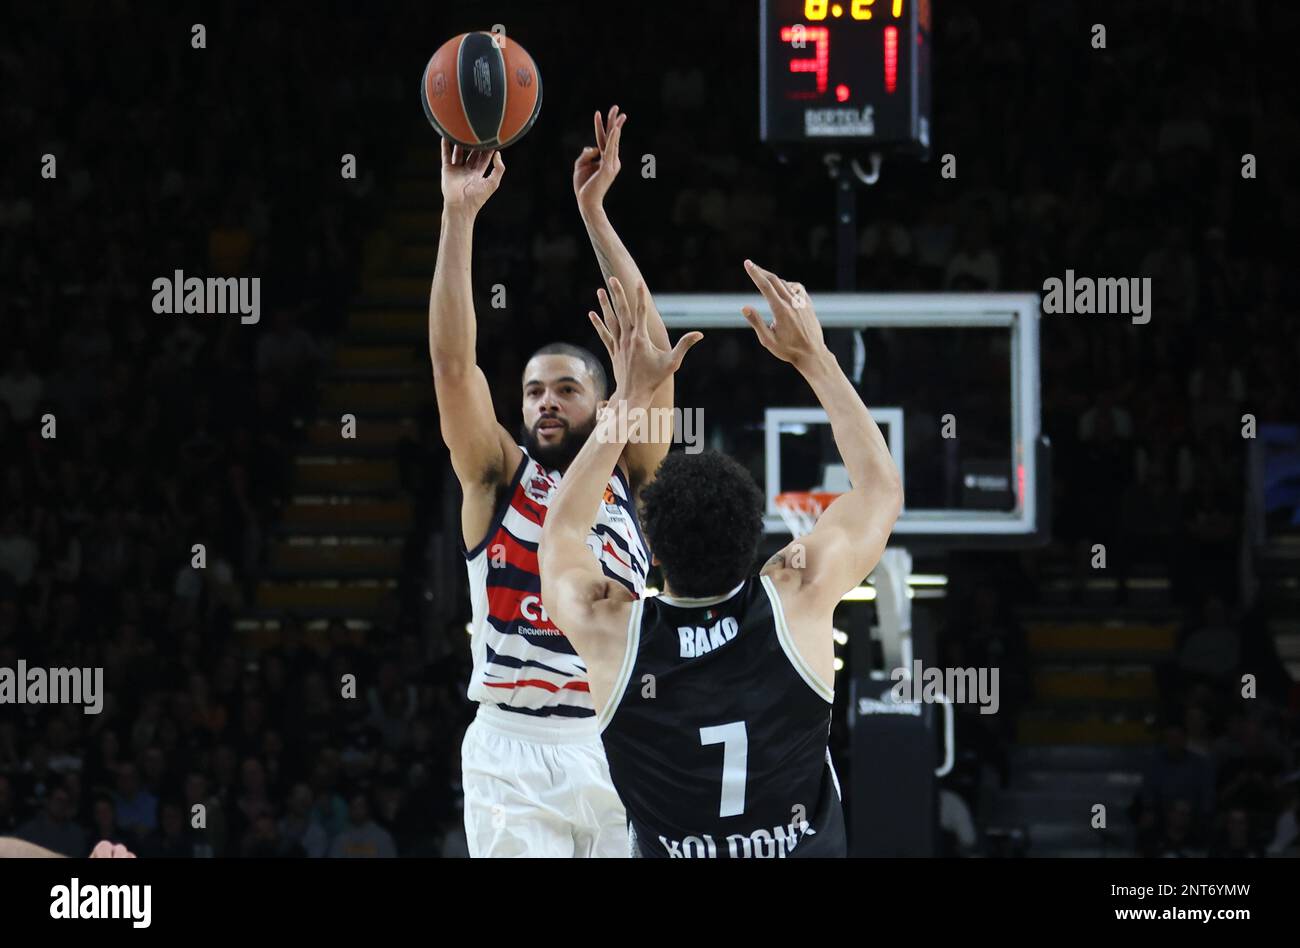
{"x":845,"y":71}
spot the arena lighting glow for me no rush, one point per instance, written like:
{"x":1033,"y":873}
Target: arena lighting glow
{"x":868,"y":594}
{"x":841,"y":637}
{"x":839,"y":664}
{"x":865,"y":593}
{"x":891,"y":59}
{"x":927,"y":579}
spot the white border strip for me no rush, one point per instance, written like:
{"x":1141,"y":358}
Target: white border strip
{"x":625,"y":670}
{"x":810,"y":677}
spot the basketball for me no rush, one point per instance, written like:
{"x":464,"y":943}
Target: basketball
{"x":481,"y":90}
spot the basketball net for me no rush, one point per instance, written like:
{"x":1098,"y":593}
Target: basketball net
{"x":801,"y":508}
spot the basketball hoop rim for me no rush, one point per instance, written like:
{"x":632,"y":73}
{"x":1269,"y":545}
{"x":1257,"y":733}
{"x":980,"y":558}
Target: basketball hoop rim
{"x":801,"y":508}
{"x":806,"y":501}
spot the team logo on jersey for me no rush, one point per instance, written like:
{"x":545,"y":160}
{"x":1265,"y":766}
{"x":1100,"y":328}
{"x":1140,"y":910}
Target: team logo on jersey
{"x":531,"y":608}
{"x":523,"y":77}
{"x":539,"y":488}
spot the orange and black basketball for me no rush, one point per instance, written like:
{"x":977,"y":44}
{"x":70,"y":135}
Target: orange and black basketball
{"x":481,"y":90}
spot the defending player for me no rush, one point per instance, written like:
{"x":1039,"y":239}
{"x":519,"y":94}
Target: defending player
{"x":714,"y":698}
{"x":534,"y":773}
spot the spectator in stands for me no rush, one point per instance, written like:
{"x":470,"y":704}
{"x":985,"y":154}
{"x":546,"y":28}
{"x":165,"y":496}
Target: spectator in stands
{"x":1250,"y":760}
{"x":1176,"y":775}
{"x":18,"y":551}
{"x":289,"y":356}
{"x":137,"y":808}
{"x":328,"y":808}
{"x":104,"y":822}
{"x":300,"y":825}
{"x":1180,"y":838}
{"x":1236,"y":841}
{"x":362,"y":838}
{"x":170,"y":840}
{"x":975,"y":266}
{"x":265,"y":842}
{"x":1286,"y":831}
{"x":1212,"y":651}
{"x":21,"y":389}
{"x":1196,"y":720}
{"x":54,"y":827}
{"x":8,"y":807}
{"x":253,"y":802}
{"x":206,"y":815}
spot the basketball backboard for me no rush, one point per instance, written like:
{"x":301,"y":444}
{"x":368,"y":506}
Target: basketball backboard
{"x":952,"y":380}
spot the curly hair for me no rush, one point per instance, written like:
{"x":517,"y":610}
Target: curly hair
{"x":703,"y":516}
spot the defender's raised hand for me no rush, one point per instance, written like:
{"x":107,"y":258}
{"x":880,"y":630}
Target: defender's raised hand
{"x":464,"y":186}
{"x":794,"y":334}
{"x":640,"y":365}
{"x":597,"y":167}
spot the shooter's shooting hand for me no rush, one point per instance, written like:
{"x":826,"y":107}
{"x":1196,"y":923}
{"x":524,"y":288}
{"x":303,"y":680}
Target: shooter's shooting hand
{"x":464,"y":187}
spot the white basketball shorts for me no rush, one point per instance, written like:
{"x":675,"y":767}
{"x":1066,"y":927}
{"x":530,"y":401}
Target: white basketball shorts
{"x":540,"y":788}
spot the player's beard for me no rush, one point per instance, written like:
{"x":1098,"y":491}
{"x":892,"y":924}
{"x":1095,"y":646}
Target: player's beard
{"x":560,"y":454}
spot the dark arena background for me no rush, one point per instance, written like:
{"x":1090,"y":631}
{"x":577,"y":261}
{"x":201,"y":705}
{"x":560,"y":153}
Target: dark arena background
{"x":248,"y":522}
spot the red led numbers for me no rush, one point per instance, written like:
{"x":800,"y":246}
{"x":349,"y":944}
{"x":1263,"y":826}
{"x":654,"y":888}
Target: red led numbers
{"x":891,"y":59}
{"x":819,"y":64}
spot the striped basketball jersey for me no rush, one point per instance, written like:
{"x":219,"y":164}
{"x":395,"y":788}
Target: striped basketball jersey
{"x":716,"y":731}
{"x":522,"y":662}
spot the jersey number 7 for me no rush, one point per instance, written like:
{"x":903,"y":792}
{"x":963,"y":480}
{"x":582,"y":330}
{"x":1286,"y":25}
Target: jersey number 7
{"x":735,"y":760}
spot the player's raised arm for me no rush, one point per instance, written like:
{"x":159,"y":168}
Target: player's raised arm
{"x":13,"y":848}
{"x":593,"y":173}
{"x":850,"y":535}
{"x":481,"y":450}
{"x":579,"y":597}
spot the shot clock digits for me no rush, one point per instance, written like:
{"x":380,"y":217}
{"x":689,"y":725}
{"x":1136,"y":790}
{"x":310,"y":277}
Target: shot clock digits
{"x":846,"y":70}
{"x":858,"y":9}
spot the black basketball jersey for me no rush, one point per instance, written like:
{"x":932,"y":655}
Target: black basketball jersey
{"x":716,"y":731}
